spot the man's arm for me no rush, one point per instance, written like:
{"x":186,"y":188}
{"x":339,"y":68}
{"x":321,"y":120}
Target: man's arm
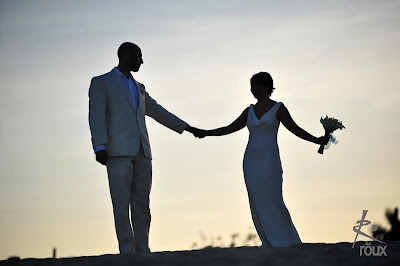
{"x":97,"y":119}
{"x":162,"y":116}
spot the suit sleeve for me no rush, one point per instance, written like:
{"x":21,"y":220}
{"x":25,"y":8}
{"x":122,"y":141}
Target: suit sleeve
{"x":97,"y":112}
{"x":162,"y":116}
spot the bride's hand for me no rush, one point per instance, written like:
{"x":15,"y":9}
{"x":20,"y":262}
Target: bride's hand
{"x":323,"y":140}
{"x":195,"y":131}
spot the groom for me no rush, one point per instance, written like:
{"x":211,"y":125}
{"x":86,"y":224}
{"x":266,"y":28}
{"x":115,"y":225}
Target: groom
{"x":117,"y":108}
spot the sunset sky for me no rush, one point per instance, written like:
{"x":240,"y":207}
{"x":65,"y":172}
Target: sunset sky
{"x":338,"y":58}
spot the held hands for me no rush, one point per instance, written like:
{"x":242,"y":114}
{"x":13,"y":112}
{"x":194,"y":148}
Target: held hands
{"x":202,"y":133}
{"x":198,"y":133}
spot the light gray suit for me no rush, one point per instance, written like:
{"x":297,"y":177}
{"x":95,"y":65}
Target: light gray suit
{"x":115,"y":123}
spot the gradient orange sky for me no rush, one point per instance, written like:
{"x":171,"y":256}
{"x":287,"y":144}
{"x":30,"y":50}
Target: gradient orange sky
{"x":335,"y":58}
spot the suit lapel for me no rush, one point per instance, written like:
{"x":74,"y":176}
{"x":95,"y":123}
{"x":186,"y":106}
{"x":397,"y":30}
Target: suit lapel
{"x":139,"y":88}
{"x":122,"y":87}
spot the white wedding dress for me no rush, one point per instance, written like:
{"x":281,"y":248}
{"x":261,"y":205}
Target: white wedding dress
{"x":263,"y":176}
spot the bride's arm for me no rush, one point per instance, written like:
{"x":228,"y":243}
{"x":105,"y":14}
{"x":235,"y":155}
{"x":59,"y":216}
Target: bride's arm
{"x":236,"y":125}
{"x":284,"y":116}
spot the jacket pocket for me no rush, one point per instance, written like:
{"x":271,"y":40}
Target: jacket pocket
{"x":116,"y":128}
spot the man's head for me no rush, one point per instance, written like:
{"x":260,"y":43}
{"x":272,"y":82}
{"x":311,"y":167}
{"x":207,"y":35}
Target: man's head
{"x":130,"y":56}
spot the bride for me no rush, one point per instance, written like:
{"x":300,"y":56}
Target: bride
{"x":262,"y":165}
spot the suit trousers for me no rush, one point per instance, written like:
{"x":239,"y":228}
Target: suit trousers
{"x":130,"y":179}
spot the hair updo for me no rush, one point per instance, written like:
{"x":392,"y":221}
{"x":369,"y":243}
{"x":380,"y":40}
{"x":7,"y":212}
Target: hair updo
{"x":264,"y":79}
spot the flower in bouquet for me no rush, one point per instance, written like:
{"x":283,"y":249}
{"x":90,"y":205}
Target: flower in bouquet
{"x":330,"y":124}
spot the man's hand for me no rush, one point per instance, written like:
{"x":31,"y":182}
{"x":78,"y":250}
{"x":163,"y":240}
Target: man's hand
{"x":102,"y":157}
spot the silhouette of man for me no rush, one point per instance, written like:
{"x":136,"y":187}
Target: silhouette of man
{"x":117,"y":108}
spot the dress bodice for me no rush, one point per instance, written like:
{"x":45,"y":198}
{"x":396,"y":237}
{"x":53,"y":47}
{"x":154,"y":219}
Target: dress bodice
{"x":263,"y":131}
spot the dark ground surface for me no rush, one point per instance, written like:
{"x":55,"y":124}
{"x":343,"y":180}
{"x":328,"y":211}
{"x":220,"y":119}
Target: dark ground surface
{"x":308,"y":254}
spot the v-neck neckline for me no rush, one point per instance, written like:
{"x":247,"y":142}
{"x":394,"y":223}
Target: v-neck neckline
{"x":254,"y":111}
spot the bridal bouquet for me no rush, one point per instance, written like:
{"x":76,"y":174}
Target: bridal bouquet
{"x":330,"y":124}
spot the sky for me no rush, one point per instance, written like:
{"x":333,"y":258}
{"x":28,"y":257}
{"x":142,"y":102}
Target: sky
{"x":335,"y":58}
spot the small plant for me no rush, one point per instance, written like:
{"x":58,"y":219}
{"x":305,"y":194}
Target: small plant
{"x":388,"y":234}
{"x":251,"y":239}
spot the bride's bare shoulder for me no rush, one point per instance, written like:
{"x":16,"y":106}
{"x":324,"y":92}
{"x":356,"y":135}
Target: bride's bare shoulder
{"x":282,"y":108}
{"x":245,"y":112}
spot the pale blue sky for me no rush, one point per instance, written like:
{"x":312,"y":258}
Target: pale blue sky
{"x":338,"y":58}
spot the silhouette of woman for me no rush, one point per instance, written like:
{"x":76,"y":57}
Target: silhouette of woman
{"x":262,"y":165}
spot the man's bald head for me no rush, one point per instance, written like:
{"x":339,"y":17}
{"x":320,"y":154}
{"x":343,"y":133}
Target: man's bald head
{"x":127,"y":49}
{"x":130,"y":56}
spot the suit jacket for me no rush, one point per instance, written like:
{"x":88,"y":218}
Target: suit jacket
{"x":115,"y":123}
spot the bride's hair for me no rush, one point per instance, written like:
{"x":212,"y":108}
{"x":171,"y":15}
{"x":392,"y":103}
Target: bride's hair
{"x":264,"y":79}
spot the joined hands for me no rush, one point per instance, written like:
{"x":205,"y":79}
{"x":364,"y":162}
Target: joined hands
{"x":198,"y":133}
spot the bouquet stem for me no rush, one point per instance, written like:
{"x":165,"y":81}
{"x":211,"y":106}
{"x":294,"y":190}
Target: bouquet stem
{"x":321,"y":148}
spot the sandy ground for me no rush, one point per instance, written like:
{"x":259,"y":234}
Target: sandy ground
{"x":308,"y":254}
